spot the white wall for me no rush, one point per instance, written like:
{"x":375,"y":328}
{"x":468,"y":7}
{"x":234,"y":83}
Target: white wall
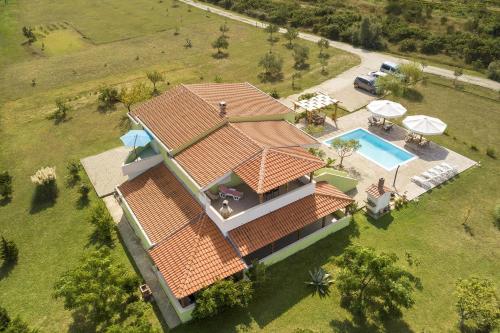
{"x":135,"y":168}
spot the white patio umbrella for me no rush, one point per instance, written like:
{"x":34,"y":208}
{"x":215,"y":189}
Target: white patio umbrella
{"x":424,"y":125}
{"x":386,"y":109}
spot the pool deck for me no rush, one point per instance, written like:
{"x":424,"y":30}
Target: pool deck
{"x":368,"y":172}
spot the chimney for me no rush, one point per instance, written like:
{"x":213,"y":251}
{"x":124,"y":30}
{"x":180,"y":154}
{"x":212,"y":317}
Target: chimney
{"x":222,"y":108}
{"x":381,"y":184}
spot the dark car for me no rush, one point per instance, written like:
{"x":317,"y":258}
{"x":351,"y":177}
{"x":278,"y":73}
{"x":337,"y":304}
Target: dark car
{"x":366,"y":83}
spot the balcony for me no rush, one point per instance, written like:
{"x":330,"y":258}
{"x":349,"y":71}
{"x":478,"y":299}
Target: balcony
{"x":135,"y":165}
{"x":249,"y":207}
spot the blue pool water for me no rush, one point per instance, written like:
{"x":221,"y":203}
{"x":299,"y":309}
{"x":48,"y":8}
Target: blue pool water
{"x":377,"y":149}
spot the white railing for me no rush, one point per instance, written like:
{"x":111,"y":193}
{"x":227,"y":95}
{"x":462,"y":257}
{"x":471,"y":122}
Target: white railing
{"x":225,"y":225}
{"x":134,"y":169}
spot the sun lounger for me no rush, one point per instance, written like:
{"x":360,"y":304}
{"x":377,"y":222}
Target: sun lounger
{"x":452,"y":168}
{"x":225,"y":192}
{"x":422,"y":182}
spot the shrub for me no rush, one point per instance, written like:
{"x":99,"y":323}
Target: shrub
{"x":274,"y":94}
{"x":73,"y":167}
{"x":306,"y":96}
{"x":408,"y":45}
{"x":108,"y":97}
{"x":473,"y":147}
{"x":221,"y":295}
{"x":5,"y":184}
{"x":4,"y":319}
{"x":103,"y":223}
{"x":494,"y":70}
{"x":61,"y":111}
{"x":491,"y":152}
{"x":257,"y":273}
{"x":313,"y":129}
{"x":8,"y":251}
{"x":44,"y":176}
{"x":320,"y":281}
{"x":84,"y":191}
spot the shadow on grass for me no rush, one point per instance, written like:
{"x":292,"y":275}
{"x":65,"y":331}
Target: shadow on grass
{"x":220,"y":55}
{"x":6,"y":268}
{"x":383,"y":222}
{"x":5,"y":201}
{"x":283,"y":290}
{"x":82,"y":202}
{"x":44,"y":197}
{"x":413,"y":95}
{"x":95,"y":239}
{"x":358,"y":325}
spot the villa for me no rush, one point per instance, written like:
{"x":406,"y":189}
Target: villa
{"x":225,"y":180}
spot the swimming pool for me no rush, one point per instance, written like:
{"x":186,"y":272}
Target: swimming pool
{"x":376,"y":149}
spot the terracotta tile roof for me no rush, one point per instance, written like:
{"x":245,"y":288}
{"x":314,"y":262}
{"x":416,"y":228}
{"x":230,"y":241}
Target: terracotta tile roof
{"x":177,"y":116}
{"x":277,"y":133}
{"x":263,"y":231}
{"x":160,"y":202}
{"x":216,"y":154}
{"x":377,"y":192}
{"x":194,"y":257}
{"x":272,"y":167}
{"x":242,"y":99}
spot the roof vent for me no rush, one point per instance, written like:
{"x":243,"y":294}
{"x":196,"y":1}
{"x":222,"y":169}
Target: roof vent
{"x":222,"y":108}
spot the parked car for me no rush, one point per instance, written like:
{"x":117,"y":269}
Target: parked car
{"x":377,"y":74}
{"x":389,"y":67}
{"x":366,"y":83}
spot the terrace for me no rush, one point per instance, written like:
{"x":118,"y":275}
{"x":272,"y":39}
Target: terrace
{"x":252,"y":205}
{"x":368,"y":172}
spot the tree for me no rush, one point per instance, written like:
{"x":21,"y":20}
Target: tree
{"x":98,"y":290}
{"x":155,"y":77}
{"x":103,"y":223}
{"x":494,"y":70}
{"x":108,"y":97}
{"x":290,"y":35}
{"x":300,"y":56}
{"x":61,"y":112}
{"x":390,"y":83}
{"x":220,"y":43}
{"x":130,"y":96}
{"x":369,"y":35}
{"x":295,"y":76}
{"x":372,"y":285}
{"x":477,"y":304}
{"x":221,"y":295}
{"x":323,"y":44}
{"x":272,"y":65}
{"x":5,"y":185}
{"x":224,"y":29}
{"x":345,"y":148}
{"x":8,"y":252}
{"x":272,"y":29}
{"x":456,"y":74}
{"x":410,"y":73}
{"x":323,"y":61}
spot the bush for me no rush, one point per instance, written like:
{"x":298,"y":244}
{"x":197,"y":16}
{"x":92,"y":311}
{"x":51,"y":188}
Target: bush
{"x":494,"y":70}
{"x":432,"y":45}
{"x":274,"y":94}
{"x":491,"y":152}
{"x":5,"y":184}
{"x":8,"y":251}
{"x":108,"y":97}
{"x":61,"y":111}
{"x":313,"y":129}
{"x":4,"y":319}
{"x":44,"y":176}
{"x":320,"y":281}
{"x":306,"y":96}
{"x":221,"y":295}
{"x":84,"y":191}
{"x":103,"y":223}
{"x":73,"y":167}
{"x":408,"y":45}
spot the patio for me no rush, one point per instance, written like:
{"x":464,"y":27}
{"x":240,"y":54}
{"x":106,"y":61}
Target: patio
{"x":367,"y":172}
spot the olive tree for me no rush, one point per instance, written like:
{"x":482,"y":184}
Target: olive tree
{"x":290,"y":35}
{"x":345,"y":148}
{"x":155,"y":77}
{"x":272,"y":65}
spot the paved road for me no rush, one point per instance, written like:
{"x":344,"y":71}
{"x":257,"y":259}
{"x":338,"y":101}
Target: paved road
{"x":340,"y":87}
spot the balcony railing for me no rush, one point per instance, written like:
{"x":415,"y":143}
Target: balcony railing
{"x":259,"y":209}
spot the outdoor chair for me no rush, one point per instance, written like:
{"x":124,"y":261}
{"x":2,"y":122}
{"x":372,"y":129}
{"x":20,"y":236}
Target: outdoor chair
{"x":388,"y":127}
{"x":371,"y":122}
{"x":225,"y":192}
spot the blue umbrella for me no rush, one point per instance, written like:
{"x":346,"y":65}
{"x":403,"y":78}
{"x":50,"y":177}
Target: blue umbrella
{"x":136,"y":138}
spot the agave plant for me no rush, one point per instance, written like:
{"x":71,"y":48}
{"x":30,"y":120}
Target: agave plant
{"x":320,"y":281}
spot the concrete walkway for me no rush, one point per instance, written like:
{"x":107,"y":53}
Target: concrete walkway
{"x":142,"y":262}
{"x":105,"y":170}
{"x":341,"y":87}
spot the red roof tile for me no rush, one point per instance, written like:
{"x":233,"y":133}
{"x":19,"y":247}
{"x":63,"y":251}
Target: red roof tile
{"x":242,"y":99}
{"x":216,"y":154}
{"x":279,"y":133}
{"x":178,"y":116}
{"x":272,"y":167}
{"x":267,"y":229}
{"x":194,"y":257}
{"x":161,"y":204}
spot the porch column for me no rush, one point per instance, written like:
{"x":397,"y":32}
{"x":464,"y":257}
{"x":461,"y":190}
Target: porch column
{"x":311,"y":175}
{"x":261,"y":197}
{"x":323,"y":221}
{"x":298,"y":234}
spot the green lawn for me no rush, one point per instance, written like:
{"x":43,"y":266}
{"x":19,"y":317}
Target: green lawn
{"x":115,"y":42}
{"x":431,"y":230}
